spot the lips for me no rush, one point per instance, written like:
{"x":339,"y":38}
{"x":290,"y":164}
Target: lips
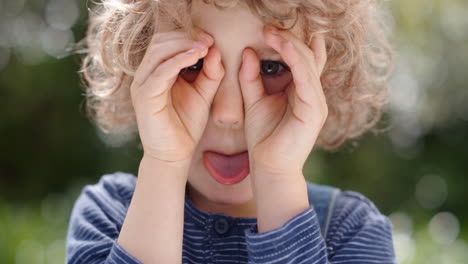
{"x":227,"y":169}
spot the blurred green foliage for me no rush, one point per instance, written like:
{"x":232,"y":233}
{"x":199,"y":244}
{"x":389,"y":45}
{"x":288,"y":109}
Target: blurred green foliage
{"x":414,"y":173}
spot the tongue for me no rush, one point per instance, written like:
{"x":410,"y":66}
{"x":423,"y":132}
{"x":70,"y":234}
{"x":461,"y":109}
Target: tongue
{"x":228,"y":166}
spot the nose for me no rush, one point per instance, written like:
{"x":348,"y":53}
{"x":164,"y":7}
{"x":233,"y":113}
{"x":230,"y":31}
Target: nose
{"x":228,"y":106}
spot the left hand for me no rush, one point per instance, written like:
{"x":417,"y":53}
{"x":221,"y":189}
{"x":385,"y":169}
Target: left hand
{"x":281,"y":129}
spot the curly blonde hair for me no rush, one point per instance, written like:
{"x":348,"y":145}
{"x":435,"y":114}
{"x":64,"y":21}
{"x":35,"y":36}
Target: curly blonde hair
{"x":354,"y":79}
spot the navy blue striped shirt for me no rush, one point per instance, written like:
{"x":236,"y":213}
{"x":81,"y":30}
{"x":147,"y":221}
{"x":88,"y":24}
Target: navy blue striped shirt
{"x":357,"y":233}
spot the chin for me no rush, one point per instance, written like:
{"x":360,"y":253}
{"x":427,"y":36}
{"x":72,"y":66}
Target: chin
{"x":210,"y":189}
{"x":239,"y":193}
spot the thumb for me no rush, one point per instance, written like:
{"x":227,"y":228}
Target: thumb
{"x":250,"y":79}
{"x":207,"y":82}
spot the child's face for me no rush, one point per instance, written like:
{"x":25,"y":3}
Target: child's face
{"x":233,"y":30}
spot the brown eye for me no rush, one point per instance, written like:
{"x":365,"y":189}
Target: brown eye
{"x":276,"y":76}
{"x":271,"y":68}
{"x":197,"y":66}
{"x":190,"y":73}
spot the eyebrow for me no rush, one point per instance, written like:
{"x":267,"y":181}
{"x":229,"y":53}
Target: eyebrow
{"x":265,"y":52}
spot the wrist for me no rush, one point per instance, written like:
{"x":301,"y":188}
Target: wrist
{"x":179,"y":165}
{"x":278,"y":199}
{"x":151,"y":167}
{"x":277,"y":176}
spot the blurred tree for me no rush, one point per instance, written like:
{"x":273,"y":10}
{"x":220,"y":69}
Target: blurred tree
{"x":415,"y":173}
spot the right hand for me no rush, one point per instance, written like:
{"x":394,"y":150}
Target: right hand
{"x":172,"y":113}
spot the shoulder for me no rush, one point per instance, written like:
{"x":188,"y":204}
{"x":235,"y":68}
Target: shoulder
{"x":120,"y":180}
{"x":97,"y":218}
{"x":116,"y":186}
{"x":339,"y":205}
{"x":351,"y":203}
{"x":107,"y":200}
{"x":357,"y":223}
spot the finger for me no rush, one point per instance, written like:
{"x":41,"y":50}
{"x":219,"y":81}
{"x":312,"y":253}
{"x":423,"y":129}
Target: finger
{"x":297,"y":64}
{"x":158,"y":52}
{"x":306,"y":95}
{"x":162,"y":79}
{"x":164,"y":36}
{"x":178,"y":34}
{"x":306,"y":52}
{"x":250,"y":79}
{"x":313,"y":56}
{"x":207,"y":82}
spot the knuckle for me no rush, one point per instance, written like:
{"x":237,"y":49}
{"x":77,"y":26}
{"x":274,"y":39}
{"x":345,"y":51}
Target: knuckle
{"x":170,"y":35}
{"x":158,"y":37}
{"x":156,"y":48}
{"x":163,"y":34}
{"x":135,"y":86}
{"x":136,"y":82}
{"x":159,"y":71}
{"x":295,"y":58}
{"x":284,"y":44}
{"x":153,"y":48}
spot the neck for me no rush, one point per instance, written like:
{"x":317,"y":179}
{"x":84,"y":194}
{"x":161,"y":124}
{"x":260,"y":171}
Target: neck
{"x":203,"y":204}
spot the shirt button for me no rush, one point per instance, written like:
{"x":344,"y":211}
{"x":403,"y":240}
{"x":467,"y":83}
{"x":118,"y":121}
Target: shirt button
{"x":221,"y":225}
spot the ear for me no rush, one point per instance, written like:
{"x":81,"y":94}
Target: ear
{"x":317,"y":45}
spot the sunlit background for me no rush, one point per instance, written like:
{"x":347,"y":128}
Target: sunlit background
{"x":414,"y":173}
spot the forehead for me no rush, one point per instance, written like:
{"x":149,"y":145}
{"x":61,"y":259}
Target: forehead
{"x":233,"y":28}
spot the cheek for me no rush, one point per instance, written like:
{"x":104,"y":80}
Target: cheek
{"x":276,"y":84}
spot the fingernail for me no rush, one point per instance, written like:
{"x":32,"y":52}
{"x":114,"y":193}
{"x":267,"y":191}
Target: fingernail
{"x":199,"y":45}
{"x":206,"y":37}
{"x":191,"y":51}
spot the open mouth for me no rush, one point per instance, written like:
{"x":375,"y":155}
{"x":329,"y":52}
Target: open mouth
{"x":227,"y":169}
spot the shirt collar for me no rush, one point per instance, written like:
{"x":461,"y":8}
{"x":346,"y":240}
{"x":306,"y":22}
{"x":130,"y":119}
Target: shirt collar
{"x":202,"y":218}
